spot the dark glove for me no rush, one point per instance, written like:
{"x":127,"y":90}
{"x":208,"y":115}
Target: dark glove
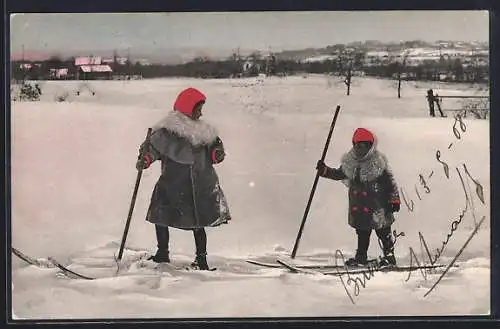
{"x":321,"y":168}
{"x":143,"y":163}
{"x":395,"y":206}
{"x":217,"y":153}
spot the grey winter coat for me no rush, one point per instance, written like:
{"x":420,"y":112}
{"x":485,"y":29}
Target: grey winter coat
{"x":372,"y":189}
{"x":188,"y":194}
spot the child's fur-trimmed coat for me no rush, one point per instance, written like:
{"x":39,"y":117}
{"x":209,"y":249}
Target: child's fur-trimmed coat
{"x":372,"y":189}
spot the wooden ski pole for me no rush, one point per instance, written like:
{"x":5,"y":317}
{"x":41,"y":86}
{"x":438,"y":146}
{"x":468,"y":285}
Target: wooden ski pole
{"x":311,"y":195}
{"x":132,"y":203}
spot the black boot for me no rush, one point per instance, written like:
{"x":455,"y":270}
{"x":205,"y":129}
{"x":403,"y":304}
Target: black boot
{"x":200,"y":240}
{"x":358,"y":260}
{"x":387,"y":261}
{"x":200,"y":262}
{"x":385,"y":237}
{"x":361,"y":257}
{"x":161,"y":256}
{"x":162,"y":237}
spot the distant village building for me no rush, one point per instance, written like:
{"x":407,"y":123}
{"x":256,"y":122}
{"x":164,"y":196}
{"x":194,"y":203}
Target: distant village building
{"x":93,"y":72}
{"x":95,"y":60}
{"x":251,"y":67}
{"x":61,"y":73}
{"x":143,"y":62}
{"x":25,"y":66}
{"x":121,"y":60}
{"x":91,"y":68}
{"x":29,"y":66}
{"x":247,"y":65}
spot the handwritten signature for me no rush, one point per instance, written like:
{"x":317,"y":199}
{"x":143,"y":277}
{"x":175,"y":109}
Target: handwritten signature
{"x":410,"y":205}
{"x":357,"y":281}
{"x":476,"y":229}
{"x":454,"y":225}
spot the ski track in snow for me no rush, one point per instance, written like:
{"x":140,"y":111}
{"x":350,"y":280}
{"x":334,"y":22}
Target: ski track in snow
{"x":73,"y":170}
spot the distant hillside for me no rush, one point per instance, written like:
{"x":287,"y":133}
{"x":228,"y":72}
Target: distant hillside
{"x":183,"y":55}
{"x":157,"y":55}
{"x":373,"y":46}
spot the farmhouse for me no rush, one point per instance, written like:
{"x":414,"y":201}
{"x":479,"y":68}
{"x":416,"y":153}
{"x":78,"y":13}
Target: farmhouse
{"x":91,"y":68}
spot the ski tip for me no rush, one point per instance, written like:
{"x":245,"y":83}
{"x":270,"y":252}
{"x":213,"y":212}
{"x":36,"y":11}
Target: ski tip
{"x":255,"y":262}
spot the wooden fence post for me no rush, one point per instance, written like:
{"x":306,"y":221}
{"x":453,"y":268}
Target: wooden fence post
{"x":430,"y":101}
{"x":438,"y":103}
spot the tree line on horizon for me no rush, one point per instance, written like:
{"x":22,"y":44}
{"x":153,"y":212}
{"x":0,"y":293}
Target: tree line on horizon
{"x":346,"y":64}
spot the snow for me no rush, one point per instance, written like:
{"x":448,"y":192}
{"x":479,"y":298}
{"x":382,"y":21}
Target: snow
{"x":377,"y":53}
{"x":319,"y":58}
{"x":73,"y":173}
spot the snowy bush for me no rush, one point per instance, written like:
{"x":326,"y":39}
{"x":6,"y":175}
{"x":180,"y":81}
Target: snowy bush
{"x":85,"y":86}
{"x":478,"y":107}
{"x":26,"y":92}
{"x":61,"y":97}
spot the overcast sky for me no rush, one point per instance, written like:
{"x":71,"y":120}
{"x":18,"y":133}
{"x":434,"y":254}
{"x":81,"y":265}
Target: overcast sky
{"x":258,"y":30}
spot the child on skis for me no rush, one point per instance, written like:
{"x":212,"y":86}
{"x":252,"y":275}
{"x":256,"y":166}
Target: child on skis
{"x":187,"y":195}
{"x":373,"y":195}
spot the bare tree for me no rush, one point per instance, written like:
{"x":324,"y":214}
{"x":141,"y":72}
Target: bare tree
{"x":348,"y":61}
{"x":235,"y":56}
{"x":236,"y":62}
{"x":399,"y":63}
{"x":402,"y":68}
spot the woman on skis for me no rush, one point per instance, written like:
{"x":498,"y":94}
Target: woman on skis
{"x":187,"y":195}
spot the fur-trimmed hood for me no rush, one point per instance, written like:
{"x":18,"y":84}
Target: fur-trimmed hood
{"x":197,"y":132}
{"x":370,"y":166}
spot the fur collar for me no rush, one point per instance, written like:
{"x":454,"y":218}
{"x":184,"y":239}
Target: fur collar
{"x":370,"y":167}
{"x":197,"y":132}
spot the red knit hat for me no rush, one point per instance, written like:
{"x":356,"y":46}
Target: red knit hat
{"x":362,"y":135}
{"x":187,"y":99}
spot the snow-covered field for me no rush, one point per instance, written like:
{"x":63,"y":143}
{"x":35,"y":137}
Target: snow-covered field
{"x":73,"y":173}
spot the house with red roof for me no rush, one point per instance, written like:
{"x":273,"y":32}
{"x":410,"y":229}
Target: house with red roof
{"x":92,"y":68}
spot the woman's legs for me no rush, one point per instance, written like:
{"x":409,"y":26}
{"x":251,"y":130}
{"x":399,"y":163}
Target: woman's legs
{"x":200,"y":240}
{"x":162,"y":239}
